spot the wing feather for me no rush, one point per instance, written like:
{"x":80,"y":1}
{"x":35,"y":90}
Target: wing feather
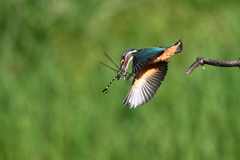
{"x":145,"y":84}
{"x":143,"y":56}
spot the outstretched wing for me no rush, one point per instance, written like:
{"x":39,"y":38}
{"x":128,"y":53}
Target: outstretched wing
{"x":175,"y":48}
{"x":168,"y":52}
{"x":143,"y":56}
{"x":145,"y":84}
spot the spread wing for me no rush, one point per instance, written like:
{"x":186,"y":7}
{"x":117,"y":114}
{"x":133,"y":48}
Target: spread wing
{"x":145,"y":84}
{"x":143,"y":56}
{"x":171,"y":50}
{"x":167,"y":52}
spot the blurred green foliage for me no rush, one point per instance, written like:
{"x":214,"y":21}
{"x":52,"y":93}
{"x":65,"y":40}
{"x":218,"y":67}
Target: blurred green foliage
{"x":51,"y":105}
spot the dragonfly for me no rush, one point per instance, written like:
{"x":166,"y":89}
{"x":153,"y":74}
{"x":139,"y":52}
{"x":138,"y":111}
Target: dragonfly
{"x":148,"y":67}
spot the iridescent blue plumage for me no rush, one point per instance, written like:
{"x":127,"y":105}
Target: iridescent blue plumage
{"x":143,"y":56}
{"x":153,"y":51}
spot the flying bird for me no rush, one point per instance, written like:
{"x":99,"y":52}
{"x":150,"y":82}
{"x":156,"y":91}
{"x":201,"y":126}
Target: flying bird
{"x":149,"y":67}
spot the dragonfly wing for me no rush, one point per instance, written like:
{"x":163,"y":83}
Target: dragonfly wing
{"x":145,"y":84}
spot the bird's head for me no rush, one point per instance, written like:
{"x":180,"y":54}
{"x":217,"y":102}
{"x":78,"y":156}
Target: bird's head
{"x":126,"y":58}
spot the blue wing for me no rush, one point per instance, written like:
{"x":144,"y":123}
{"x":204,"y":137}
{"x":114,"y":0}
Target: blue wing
{"x":143,"y":56}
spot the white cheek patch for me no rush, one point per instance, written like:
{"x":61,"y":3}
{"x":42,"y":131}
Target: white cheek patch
{"x":126,"y":68}
{"x":128,"y":64}
{"x":128,"y":61}
{"x":122,"y":61}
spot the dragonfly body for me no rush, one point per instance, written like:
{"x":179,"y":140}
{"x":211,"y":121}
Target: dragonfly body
{"x":149,"y":67}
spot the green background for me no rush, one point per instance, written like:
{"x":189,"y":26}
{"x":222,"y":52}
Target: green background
{"x":51,"y":104}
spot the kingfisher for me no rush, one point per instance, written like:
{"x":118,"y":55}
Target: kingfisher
{"x":149,"y":67}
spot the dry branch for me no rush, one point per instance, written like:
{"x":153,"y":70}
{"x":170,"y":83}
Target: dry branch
{"x":201,"y":61}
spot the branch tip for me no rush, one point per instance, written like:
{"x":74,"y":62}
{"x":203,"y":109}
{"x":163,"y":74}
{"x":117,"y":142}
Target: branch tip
{"x":201,"y":61}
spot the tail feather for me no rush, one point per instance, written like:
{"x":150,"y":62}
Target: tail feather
{"x":180,"y":46}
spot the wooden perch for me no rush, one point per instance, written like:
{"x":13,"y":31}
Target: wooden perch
{"x":201,"y":61}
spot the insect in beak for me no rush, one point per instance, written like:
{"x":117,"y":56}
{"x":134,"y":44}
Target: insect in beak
{"x":121,"y":71}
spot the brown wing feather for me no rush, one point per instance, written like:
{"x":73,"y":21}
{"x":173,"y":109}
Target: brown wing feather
{"x":145,"y":84}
